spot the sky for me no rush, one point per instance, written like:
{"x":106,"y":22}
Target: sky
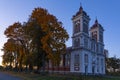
{"x":106,"y":11}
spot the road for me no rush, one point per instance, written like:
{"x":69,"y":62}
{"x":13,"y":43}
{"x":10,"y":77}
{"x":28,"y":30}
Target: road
{"x":4,"y":76}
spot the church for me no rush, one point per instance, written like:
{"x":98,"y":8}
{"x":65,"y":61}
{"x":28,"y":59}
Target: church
{"x":86,"y":55}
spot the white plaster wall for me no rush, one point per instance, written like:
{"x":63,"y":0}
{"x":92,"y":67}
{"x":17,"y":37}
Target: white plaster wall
{"x":72,"y":60}
{"x":89,"y":63}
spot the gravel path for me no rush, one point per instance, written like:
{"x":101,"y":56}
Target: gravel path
{"x":4,"y":76}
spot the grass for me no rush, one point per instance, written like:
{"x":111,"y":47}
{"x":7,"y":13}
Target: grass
{"x":32,"y":76}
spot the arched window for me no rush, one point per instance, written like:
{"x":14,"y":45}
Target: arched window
{"x":86,"y":43}
{"x":77,"y":26}
{"x":86,"y":58}
{"x":76,"y":59}
{"x":97,"y":64}
{"x":67,"y":60}
{"x":101,"y":36}
{"x":94,"y":35}
{"x":85,"y":28}
{"x":77,"y":42}
{"x":86,"y":63}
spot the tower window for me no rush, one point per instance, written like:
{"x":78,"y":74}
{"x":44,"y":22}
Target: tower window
{"x":76,"y":42}
{"x":101,"y":38}
{"x":94,"y":35}
{"x":85,"y":43}
{"x":77,"y":26}
{"x":85,"y":28}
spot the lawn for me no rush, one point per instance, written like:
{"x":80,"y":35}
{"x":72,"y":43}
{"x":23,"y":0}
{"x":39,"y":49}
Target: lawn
{"x":32,"y":76}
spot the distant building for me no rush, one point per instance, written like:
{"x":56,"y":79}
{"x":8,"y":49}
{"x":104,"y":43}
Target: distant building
{"x":86,"y":55}
{"x":106,"y":53}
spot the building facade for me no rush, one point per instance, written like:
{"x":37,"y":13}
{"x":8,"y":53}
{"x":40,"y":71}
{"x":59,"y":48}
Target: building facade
{"x":86,"y":55}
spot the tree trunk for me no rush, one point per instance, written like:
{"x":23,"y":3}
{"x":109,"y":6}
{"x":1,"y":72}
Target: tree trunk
{"x":20,"y":66}
{"x":30,"y":67}
{"x":43,"y":62}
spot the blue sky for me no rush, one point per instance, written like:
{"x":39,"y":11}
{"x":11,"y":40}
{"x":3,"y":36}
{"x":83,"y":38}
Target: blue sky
{"x":107,"y":13}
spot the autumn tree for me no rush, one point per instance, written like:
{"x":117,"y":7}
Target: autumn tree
{"x":36,"y":41}
{"x":9,"y":52}
{"x":15,"y":32}
{"x":50,"y":36}
{"x":35,"y":34}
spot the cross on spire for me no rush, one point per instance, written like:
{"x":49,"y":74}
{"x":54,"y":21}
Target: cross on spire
{"x":80,"y":4}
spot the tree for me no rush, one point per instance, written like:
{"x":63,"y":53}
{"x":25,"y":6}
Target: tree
{"x":35,"y":49}
{"x":9,"y":52}
{"x":15,"y":32}
{"x":38,"y":40}
{"x":113,"y":62}
{"x":12,"y":32}
{"x":54,"y":35}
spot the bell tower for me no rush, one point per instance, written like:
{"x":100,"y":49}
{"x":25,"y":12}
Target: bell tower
{"x":80,"y":27}
{"x":96,"y":33}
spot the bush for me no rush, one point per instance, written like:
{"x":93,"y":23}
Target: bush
{"x":114,"y":73}
{"x":1,"y":67}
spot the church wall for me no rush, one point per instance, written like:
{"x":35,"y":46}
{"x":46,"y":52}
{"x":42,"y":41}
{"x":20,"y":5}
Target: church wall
{"x":101,"y":65}
{"x":75,"y":67}
{"x":89,"y":64}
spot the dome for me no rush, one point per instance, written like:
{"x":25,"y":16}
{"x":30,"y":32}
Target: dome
{"x":81,"y":11}
{"x":97,"y":25}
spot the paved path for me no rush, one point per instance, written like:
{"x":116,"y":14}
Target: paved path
{"x":4,"y":76}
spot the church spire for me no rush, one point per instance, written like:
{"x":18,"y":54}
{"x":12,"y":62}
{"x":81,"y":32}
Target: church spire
{"x":96,"y":21}
{"x":80,"y":9}
{"x":81,"y":12}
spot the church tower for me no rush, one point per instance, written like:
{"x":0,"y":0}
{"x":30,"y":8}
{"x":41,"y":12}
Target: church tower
{"x":80,"y":28}
{"x":86,"y":55}
{"x":96,"y":33}
{"x":80,"y":39}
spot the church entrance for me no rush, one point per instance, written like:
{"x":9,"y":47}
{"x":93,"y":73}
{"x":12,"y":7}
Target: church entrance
{"x":93,"y":69}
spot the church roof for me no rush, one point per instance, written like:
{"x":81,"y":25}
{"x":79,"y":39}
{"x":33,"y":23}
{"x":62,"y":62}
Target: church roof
{"x":81,"y":11}
{"x":96,"y":24}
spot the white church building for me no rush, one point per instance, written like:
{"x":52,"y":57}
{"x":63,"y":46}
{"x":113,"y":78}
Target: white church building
{"x":86,"y":55}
